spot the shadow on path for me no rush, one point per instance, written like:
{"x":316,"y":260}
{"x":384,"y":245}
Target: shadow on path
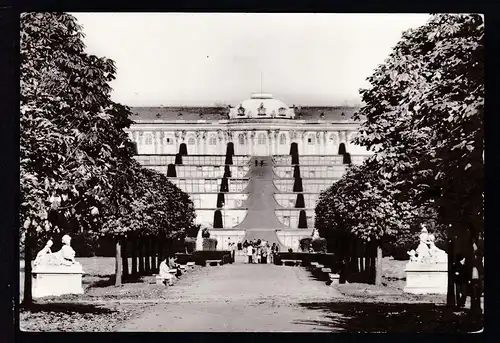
{"x":65,"y":308}
{"x":386,"y":317}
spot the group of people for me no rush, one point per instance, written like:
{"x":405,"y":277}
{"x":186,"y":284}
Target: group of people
{"x":259,"y":251}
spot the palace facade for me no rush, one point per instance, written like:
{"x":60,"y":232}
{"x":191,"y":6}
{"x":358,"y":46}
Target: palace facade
{"x":253,"y":170}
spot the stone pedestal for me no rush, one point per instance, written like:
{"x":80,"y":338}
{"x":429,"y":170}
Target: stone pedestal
{"x":57,"y":280}
{"x":426,"y":278}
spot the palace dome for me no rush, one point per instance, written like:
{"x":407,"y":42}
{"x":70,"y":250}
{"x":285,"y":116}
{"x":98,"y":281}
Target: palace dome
{"x":261,"y":105}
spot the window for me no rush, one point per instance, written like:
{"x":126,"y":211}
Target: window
{"x":241,"y":139}
{"x":312,"y":173}
{"x":170,"y":140}
{"x":149,"y":139}
{"x":262,"y":139}
{"x":191,"y":141}
{"x":282,"y":139}
{"x":212,"y":141}
{"x":310,"y":140}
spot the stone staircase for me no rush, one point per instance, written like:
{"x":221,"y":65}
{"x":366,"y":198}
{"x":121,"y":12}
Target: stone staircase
{"x":260,"y":221}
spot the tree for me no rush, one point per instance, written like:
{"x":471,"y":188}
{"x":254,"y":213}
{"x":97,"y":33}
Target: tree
{"x":72,"y":140}
{"x":424,"y":112}
{"x":366,"y":203}
{"x":77,"y":166}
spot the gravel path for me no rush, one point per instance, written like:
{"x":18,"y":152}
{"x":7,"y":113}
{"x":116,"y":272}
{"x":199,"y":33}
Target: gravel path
{"x":238,"y":298}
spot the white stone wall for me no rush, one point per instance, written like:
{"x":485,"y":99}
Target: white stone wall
{"x":290,"y":217}
{"x":291,"y":238}
{"x":209,"y":200}
{"x":259,"y":141}
{"x":287,"y":200}
{"x":224,"y":237}
{"x":230,"y":218}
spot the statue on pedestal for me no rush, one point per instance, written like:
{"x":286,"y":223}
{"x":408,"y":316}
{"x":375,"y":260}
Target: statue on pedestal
{"x":427,"y":252}
{"x":63,"y":257}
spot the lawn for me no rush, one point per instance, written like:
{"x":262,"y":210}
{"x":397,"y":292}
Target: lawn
{"x":98,"y":271}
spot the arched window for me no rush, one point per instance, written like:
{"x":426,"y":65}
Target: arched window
{"x":310,"y":139}
{"x":212,"y":141}
{"x":241,"y":139}
{"x":149,"y":139}
{"x":282,"y":139}
{"x":262,"y":139}
{"x":191,"y":141}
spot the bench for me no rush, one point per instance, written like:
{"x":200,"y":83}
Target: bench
{"x":216,"y":262}
{"x":334,"y":278}
{"x":190,"y":265}
{"x":160,"y":280}
{"x":182,"y":267}
{"x":292,"y":262}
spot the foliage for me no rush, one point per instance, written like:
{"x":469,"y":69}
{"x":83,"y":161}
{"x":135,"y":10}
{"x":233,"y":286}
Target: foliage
{"x":77,"y":171}
{"x":319,"y":244}
{"x":424,"y":112}
{"x":305,"y":243}
{"x":209,"y":243}
{"x":205,"y":233}
{"x":190,"y":244}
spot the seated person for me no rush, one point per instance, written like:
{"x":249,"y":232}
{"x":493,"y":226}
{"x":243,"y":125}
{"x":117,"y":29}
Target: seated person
{"x":164,"y":272}
{"x":173,"y":265}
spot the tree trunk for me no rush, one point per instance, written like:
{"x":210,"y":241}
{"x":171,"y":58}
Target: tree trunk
{"x":134,"y":256}
{"x":160,"y":252}
{"x":28,"y":258}
{"x":140,"y":248}
{"x":378,"y":265}
{"x":450,"y":294}
{"x":125,"y":258}
{"x":153,"y":246}
{"x":147,"y":254}
{"x":118,"y":264}
{"x":475,"y":282}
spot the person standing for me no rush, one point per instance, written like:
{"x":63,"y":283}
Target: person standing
{"x":462,"y":278}
{"x":250,"y":253}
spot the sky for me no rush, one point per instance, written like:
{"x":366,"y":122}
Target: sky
{"x":200,"y":59}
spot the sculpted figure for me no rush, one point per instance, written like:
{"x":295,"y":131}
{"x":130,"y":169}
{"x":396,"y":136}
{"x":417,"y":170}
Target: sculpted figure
{"x":65,"y":256}
{"x":44,"y":256}
{"x":423,"y":248}
{"x":437,"y":255}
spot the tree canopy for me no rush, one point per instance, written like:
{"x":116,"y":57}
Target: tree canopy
{"x":77,"y":165}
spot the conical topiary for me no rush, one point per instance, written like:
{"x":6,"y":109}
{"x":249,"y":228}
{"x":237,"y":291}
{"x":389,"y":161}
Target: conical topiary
{"x":230,"y":149}
{"x":229,"y":159}
{"x":218,"y":220}
{"x":220,"y":200}
{"x":171,"y":172}
{"x":342,"y":149}
{"x":302,"y":220}
{"x":224,"y":186}
{"x":294,"y":150}
{"x":297,"y":185}
{"x":178,"y":159}
{"x":227,"y":171}
{"x":347,"y":158}
{"x":183,"y":149}
{"x":296,"y":171}
{"x":300,"y":201}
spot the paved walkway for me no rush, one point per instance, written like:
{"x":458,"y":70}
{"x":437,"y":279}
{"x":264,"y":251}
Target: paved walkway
{"x":238,"y":298}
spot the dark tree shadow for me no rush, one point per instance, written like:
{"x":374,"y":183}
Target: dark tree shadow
{"x":109,"y":280}
{"x":391,"y":317}
{"x":65,"y":308}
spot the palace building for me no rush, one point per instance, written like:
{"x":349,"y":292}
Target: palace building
{"x":254,"y":170}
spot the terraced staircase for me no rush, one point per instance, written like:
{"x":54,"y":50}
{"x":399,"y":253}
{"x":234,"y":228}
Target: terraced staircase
{"x":260,"y":221}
